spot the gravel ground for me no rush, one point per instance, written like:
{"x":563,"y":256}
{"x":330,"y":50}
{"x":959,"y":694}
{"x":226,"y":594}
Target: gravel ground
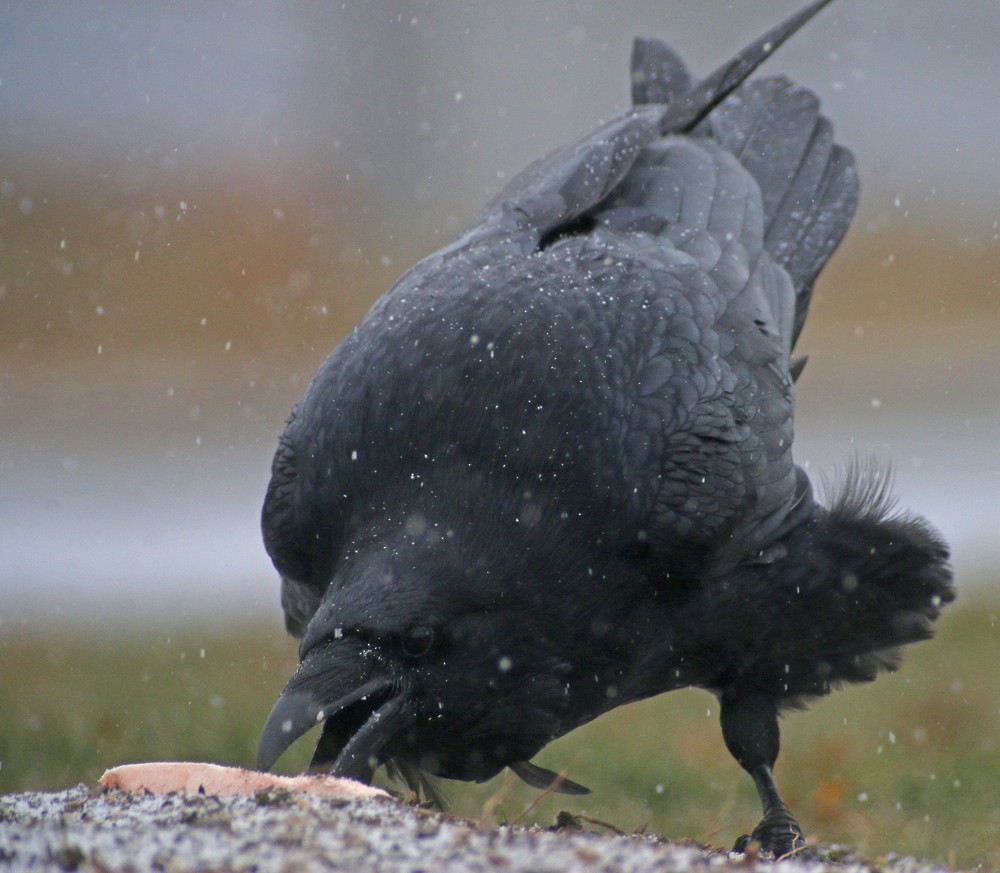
{"x":106,"y":830}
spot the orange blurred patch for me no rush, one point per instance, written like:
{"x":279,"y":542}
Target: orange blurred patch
{"x":828,"y":800}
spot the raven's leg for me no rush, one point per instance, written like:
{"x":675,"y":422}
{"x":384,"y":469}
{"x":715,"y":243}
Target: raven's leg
{"x":750,"y":729}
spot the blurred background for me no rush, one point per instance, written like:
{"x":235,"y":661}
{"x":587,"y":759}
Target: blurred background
{"x":197,"y":201}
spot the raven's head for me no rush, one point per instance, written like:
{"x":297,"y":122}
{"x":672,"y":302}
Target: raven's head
{"x":429,"y":658}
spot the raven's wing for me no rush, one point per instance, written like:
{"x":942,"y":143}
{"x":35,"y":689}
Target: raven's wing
{"x":759,"y":197}
{"x":291,"y":522}
{"x":557,"y":189}
{"x":715,"y":432}
{"x":808,"y":183}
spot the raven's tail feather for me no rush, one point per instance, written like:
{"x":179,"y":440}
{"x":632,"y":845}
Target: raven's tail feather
{"x":658,"y":73}
{"x":684,"y":114}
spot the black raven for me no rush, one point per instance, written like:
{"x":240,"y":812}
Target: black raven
{"x":551,"y":472}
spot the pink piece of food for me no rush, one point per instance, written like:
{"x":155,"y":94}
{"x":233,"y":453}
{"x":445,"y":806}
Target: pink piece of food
{"x":160,"y":777}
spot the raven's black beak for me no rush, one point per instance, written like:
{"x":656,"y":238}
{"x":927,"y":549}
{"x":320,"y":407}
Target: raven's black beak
{"x":343,"y":686}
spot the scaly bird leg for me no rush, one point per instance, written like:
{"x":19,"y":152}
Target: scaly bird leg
{"x":750,"y":729}
{"x":778,"y":831}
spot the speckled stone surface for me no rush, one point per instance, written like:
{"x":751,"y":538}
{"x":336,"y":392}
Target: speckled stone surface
{"x":90,"y":829}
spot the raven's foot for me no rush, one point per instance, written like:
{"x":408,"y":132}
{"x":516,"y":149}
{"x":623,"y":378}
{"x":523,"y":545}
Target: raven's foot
{"x":778,"y":834}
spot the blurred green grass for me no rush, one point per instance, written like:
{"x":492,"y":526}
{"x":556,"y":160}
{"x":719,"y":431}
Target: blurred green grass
{"x":908,"y":765}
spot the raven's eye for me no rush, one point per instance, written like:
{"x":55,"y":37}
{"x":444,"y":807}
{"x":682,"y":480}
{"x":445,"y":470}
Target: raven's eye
{"x":418,"y":640}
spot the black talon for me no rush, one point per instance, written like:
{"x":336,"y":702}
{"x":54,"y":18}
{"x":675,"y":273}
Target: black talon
{"x":740,"y":846}
{"x":778,"y":834}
